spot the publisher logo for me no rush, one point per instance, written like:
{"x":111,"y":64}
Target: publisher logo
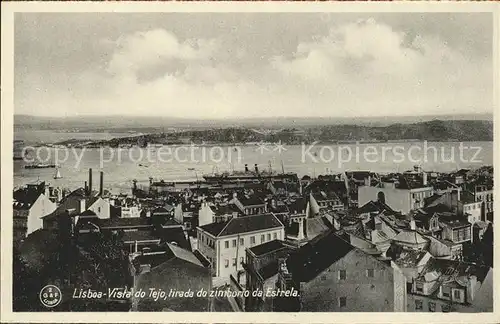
{"x":50,"y":296}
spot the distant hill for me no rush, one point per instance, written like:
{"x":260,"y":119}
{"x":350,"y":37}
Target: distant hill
{"x":435,"y":130}
{"x":155,"y":124}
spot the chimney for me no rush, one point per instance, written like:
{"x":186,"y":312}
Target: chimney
{"x":256,"y":168}
{"x":90,"y":182}
{"x":101,"y":184}
{"x":86,"y":187}
{"x":82,"y":205}
{"x":368,"y":181}
{"x":413,"y":225}
{"x":246,"y":167}
{"x":424,"y":175}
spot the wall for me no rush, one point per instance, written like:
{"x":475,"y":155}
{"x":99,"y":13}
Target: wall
{"x":178,"y":213}
{"x":399,"y":289}
{"x":41,"y":207}
{"x":441,"y":305}
{"x":474,"y":211}
{"x":207,"y":251}
{"x":130,"y":212}
{"x":239,"y":251}
{"x":101,"y":208}
{"x":363,"y":294}
{"x":20,"y":224}
{"x":397,"y":199}
{"x":205,"y":215}
{"x":179,"y":275}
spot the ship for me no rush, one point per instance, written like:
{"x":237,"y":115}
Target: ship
{"x":58,"y":174}
{"x":40,"y":166}
{"x":249,"y":175}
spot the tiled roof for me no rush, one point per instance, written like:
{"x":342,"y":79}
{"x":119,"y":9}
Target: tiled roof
{"x":132,"y":236}
{"x":314,"y":257}
{"x":447,"y":270}
{"x":325,"y":195}
{"x":250,"y":201}
{"x":411,"y":237}
{"x":184,"y":254}
{"x":455,"y":223}
{"x":268,"y":247}
{"x":88,"y":213}
{"x":25,"y":198}
{"x":241,"y":225}
{"x":410,"y":258}
{"x":174,"y":234}
{"x":124,"y":222}
{"x":314,"y":227}
{"x":228,"y":209}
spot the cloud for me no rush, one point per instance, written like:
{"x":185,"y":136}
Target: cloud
{"x":369,"y":66}
{"x":147,"y":49}
{"x":358,"y":68}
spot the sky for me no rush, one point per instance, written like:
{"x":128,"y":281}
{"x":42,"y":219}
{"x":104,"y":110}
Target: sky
{"x":252,"y":65}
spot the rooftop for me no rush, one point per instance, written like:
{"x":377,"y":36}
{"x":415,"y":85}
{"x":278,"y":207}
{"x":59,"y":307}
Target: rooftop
{"x":452,"y":270}
{"x":269,"y":247}
{"x":241,"y":225}
{"x":317,"y":255}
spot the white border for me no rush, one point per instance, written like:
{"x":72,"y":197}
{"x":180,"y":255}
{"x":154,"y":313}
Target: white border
{"x":7,"y":82}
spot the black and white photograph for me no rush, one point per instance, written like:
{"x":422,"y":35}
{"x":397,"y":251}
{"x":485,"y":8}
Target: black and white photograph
{"x":276,"y":162}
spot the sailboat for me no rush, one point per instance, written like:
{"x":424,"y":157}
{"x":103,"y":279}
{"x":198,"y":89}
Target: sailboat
{"x":58,"y":174}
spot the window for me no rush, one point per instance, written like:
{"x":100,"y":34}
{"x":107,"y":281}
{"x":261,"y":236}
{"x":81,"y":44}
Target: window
{"x":370,"y":273}
{"x":457,"y":294}
{"x":241,"y":260}
{"x":432,"y":307}
{"x":252,"y":239}
{"x":234,"y":243}
{"x":275,"y":236}
{"x":445,"y":291}
{"x":323,"y":278}
{"x":226,"y":263}
{"x":234,"y":262}
{"x":242,"y":241}
{"x":269,"y":236}
{"x":226,"y":244}
{"x":342,"y":275}
{"x":419,"y":287}
{"x":98,"y":209}
{"x":418,"y":304}
{"x":262,"y":238}
{"x":342,"y":301}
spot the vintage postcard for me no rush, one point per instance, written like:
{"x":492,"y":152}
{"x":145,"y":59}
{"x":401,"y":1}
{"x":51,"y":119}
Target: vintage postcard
{"x":209,"y":162}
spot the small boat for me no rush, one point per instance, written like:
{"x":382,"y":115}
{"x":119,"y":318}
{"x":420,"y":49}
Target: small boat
{"x":58,"y":174}
{"x":191,"y":169}
{"x":40,"y":166}
{"x":18,"y":158}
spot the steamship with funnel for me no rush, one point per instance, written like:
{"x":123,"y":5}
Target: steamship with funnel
{"x":250,"y":175}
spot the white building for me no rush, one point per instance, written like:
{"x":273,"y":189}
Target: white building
{"x":399,"y":199}
{"x":224,"y":244}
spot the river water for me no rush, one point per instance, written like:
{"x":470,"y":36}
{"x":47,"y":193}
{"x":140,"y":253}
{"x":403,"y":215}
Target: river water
{"x":172,"y":163}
